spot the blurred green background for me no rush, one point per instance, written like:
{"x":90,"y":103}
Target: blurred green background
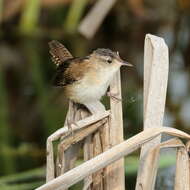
{"x":31,"y":109}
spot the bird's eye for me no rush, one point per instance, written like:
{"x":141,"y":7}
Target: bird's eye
{"x":109,"y":61}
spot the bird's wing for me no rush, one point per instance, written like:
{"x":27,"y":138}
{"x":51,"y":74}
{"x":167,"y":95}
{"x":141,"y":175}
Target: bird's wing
{"x":70,"y":71}
{"x":59,"y":52}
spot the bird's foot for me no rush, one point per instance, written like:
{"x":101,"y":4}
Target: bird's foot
{"x":69,"y":124}
{"x":114,"y":96}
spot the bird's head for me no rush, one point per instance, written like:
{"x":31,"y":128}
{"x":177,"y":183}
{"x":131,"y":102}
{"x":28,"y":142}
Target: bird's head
{"x":108,"y":58}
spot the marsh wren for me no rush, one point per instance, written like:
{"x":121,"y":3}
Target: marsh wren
{"x":85,"y":80}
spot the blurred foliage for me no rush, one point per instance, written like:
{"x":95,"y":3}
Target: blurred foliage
{"x":74,"y":15}
{"x":30,"y":109}
{"x":5,"y":136}
{"x":23,"y":181}
{"x":30,"y":16}
{"x":36,"y":177}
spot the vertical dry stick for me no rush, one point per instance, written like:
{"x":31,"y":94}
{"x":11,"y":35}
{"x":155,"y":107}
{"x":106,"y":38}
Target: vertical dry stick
{"x":97,"y":177}
{"x":92,"y":21}
{"x":182,"y":170}
{"x":88,"y":154}
{"x":155,"y":86}
{"x":66,"y":159}
{"x":188,"y":151}
{"x":50,"y":169}
{"x":71,"y":153}
{"x":92,"y":147}
{"x":100,"y":144}
{"x":105,"y":141}
{"x":116,"y":179}
{"x":61,"y":163}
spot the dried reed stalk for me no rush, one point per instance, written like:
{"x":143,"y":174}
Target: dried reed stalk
{"x":68,"y":149}
{"x":151,"y":168}
{"x":69,"y":146}
{"x":155,"y":84}
{"x":115,"y":178}
{"x":155,"y":87}
{"x":95,"y":145}
{"x":81,"y":134}
{"x":117,"y":152}
{"x":88,"y":154}
{"x":50,"y":171}
{"x":182,"y":178}
{"x":66,"y":156}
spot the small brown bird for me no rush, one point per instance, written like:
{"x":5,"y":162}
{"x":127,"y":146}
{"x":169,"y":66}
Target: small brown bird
{"x":85,"y":80}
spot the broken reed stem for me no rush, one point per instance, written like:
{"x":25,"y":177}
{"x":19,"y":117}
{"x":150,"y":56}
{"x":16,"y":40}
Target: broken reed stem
{"x":78,"y":125}
{"x":151,"y":168}
{"x":67,"y":151}
{"x":182,"y":178}
{"x":117,"y":152}
{"x":50,"y":170}
{"x":66,"y":159}
{"x":81,"y":134}
{"x":155,"y":87}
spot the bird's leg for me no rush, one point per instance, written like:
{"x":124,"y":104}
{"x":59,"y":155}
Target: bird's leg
{"x":70,"y":118}
{"x":113,"y":96}
{"x":69,"y":124}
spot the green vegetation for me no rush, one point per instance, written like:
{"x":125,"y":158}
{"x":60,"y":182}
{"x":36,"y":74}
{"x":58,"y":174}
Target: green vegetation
{"x":36,"y":177}
{"x":30,"y":16}
{"x":8,"y":165}
{"x":75,"y":13}
{"x":23,"y":181}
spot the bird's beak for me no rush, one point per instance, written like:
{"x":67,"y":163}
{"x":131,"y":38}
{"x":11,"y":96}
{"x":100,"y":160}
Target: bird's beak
{"x":124,"y":63}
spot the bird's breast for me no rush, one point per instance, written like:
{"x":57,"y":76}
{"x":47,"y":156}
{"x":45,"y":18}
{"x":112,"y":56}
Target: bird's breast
{"x":91,"y":87}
